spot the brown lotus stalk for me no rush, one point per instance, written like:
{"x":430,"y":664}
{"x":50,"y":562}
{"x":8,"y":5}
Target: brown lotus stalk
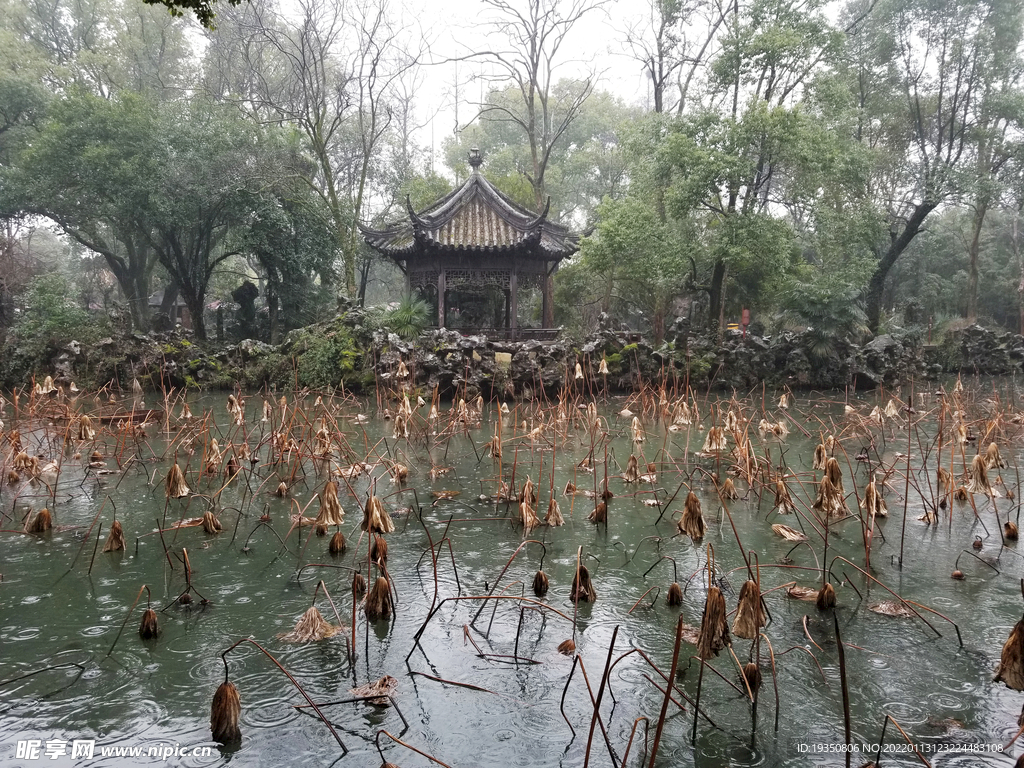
{"x":600,"y":513}
{"x":378,"y":550}
{"x":944,"y":479}
{"x":210,"y":523}
{"x":224,"y":714}
{"x":732,"y":423}
{"x":323,"y":441}
{"x":834,"y":473}
{"x":378,"y":601}
{"x":330,"y":512}
{"x":528,"y":493}
{"x":872,"y":502}
{"x":377,"y":691}
{"x":692,"y":521}
{"x":149,"y":629}
{"x":715,"y":441}
{"x":213,"y":457}
{"x":714,"y":626}
{"x":337,"y":545}
{"x":830,"y":499}
{"x":582,"y":586}
{"x":876,"y":416}
{"x":750,"y":616}
{"x":675,"y":594}
{"x":41,"y":522}
{"x":820,"y":457}
{"x":554,"y":514}
{"x":231,"y":469}
{"x":1011,"y":661}
{"x":540,"y":584}
{"x":826,"y":597}
{"x":115,"y":539}
{"x":358,"y":584}
{"x":375,"y":517}
{"x":728,"y":490}
{"x":85,"y":429}
{"x":783,"y":500}
{"x":175,"y":483}
{"x":752,"y":675}
{"x":979,"y":482}
{"x":527,"y":516}
{"x":632,"y":473}
{"x":992,"y":458}
{"x":310,"y":628}
{"x":186,"y":412}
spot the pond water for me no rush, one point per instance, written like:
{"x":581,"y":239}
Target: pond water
{"x":63,"y":604}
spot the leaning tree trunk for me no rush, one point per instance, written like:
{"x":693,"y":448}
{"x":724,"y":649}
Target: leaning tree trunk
{"x":887,"y":260}
{"x":973,"y":252}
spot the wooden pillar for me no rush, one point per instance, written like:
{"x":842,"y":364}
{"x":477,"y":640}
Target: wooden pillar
{"x":441,"y":309}
{"x":513,"y":288}
{"x":508,"y":304}
{"x":547,"y":313}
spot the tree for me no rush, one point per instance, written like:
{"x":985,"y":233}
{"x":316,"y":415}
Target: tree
{"x":92,"y":169}
{"x":673,"y":43}
{"x":642,"y":256}
{"x":937,"y":56}
{"x":534,"y":33}
{"x":203,"y":9}
{"x":331,"y":75}
{"x":211,"y":161}
{"x":583,"y":168}
{"x":288,"y":244}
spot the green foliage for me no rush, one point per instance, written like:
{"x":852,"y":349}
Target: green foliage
{"x":409,"y":318}
{"x":832,"y":313}
{"x":203,"y":9}
{"x":325,"y":359}
{"x":50,"y":319}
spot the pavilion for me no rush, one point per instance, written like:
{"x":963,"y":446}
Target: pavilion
{"x":477,"y":238}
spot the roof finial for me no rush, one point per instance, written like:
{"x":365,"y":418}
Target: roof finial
{"x":476,"y":159}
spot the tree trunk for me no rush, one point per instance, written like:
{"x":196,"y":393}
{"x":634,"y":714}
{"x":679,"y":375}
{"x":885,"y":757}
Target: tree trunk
{"x":973,"y":251}
{"x":195,"y":309}
{"x":658,"y":320}
{"x":897,"y":245}
{"x":1015,"y":242}
{"x":272,"y":311}
{"x":716,"y":307}
{"x":364,"y":279}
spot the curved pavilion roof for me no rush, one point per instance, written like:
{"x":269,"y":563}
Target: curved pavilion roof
{"x":476,"y":218}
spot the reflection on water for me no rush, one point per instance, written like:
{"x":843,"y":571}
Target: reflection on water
{"x":63,"y":602}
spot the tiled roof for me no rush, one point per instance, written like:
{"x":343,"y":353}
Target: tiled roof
{"x":477,"y":218}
